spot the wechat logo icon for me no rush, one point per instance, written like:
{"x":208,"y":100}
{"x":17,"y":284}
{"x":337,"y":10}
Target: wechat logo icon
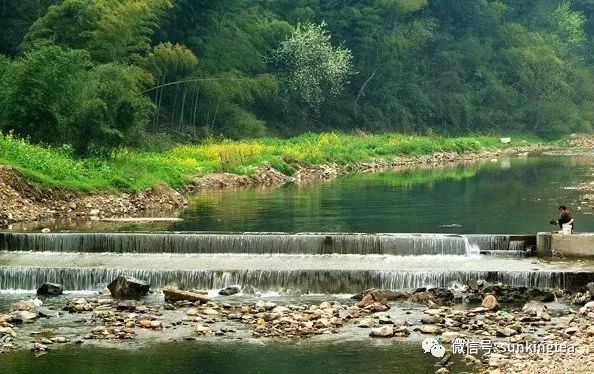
{"x":433,"y":346}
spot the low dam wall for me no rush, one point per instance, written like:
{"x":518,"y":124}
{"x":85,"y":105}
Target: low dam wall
{"x":267,"y":243}
{"x":574,"y":245}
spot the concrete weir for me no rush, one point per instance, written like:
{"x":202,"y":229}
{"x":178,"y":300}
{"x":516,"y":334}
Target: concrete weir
{"x":308,"y":262}
{"x":573,"y":245}
{"x":266,"y":243}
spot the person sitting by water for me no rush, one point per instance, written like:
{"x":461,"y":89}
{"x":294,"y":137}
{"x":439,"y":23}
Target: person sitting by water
{"x":565,"y":219}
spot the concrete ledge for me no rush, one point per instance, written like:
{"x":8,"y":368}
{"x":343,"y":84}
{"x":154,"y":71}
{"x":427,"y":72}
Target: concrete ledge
{"x":574,"y":245}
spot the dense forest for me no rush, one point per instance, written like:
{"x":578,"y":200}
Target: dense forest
{"x":99,"y":74}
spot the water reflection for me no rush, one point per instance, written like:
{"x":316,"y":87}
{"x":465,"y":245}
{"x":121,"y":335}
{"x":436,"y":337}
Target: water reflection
{"x":517,"y":195}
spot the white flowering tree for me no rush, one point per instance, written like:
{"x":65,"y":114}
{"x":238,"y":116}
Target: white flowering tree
{"x":311,"y":70}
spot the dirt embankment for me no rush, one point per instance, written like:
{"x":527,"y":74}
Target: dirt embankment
{"x":22,"y":201}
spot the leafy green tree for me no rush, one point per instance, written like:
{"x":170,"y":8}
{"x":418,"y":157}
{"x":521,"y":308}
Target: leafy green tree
{"x":40,"y":90}
{"x":111,"y":30}
{"x":70,"y":24}
{"x":112,"y":110}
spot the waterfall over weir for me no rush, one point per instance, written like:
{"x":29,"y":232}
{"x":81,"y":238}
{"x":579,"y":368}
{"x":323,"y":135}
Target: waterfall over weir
{"x":316,"y":281}
{"x":262,"y":243}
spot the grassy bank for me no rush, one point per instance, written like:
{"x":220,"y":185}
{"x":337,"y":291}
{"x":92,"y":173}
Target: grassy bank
{"x":137,"y":170}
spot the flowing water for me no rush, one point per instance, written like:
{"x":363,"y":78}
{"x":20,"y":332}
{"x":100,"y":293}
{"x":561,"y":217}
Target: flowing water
{"x":355,"y":233}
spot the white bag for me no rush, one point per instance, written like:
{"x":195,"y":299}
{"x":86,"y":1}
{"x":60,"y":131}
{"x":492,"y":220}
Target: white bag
{"x":566,"y":229}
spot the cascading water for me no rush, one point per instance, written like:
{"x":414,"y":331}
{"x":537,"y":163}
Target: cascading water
{"x":310,"y":262}
{"x":317,"y":281}
{"x":256,"y":243}
{"x":471,"y":249}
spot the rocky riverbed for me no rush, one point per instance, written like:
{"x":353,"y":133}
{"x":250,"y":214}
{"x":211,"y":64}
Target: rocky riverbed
{"x":473,"y":312}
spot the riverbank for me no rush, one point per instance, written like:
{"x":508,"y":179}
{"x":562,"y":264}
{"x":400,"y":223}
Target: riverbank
{"x":38,"y":183}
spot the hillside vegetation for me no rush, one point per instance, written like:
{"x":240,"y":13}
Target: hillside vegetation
{"x":102,"y":75}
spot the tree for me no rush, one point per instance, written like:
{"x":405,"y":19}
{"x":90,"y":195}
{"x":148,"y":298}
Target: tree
{"x":40,"y":90}
{"x":311,"y":70}
{"x":70,"y":24}
{"x":112,"y":110}
{"x":111,"y":30}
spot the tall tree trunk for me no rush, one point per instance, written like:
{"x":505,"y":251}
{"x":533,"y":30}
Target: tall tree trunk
{"x":174,"y":107}
{"x":183,"y":106}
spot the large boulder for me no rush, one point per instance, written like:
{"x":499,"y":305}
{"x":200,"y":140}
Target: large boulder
{"x":174,"y":294}
{"x":230,"y":290}
{"x":125,"y":287}
{"x":50,"y":289}
{"x":30,"y":305}
{"x":23,"y":316}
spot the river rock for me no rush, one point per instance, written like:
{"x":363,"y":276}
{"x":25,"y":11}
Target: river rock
{"x":202,"y":330}
{"x":268,"y":305}
{"x":490,"y":303}
{"x":125,"y":287}
{"x":50,"y":289}
{"x":541,"y":295}
{"x":385,"y":320}
{"x":5,"y":220}
{"x":449,"y":336}
{"x":174,"y":294}
{"x":28,"y":305}
{"x":505,"y":332}
{"x":7,"y":331}
{"x":23,"y":316}
{"x":230,"y":290}
{"x":590,"y":288}
{"x":382,"y":332}
{"x":439,"y":296}
{"x":381,"y":294}
{"x":38,"y":347}
{"x":571,"y":330}
{"x":366,"y":301}
{"x":510,"y":294}
{"x":129,"y":305}
{"x":581,"y":298}
{"x":430,"y":329}
{"x":45,"y":312}
{"x":534,"y":308}
{"x":366,"y":323}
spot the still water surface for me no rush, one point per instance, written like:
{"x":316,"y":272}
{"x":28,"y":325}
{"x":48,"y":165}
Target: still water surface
{"x":518,"y":195}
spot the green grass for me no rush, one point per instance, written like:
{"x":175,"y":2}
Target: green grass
{"x":136,"y":169}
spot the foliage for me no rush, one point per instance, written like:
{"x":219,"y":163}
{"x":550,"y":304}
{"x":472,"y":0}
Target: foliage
{"x":137,"y":170}
{"x":243,"y":68}
{"x":56,"y":96}
{"x":39,"y":93}
{"x":311,"y":69}
{"x":113,"y":112}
